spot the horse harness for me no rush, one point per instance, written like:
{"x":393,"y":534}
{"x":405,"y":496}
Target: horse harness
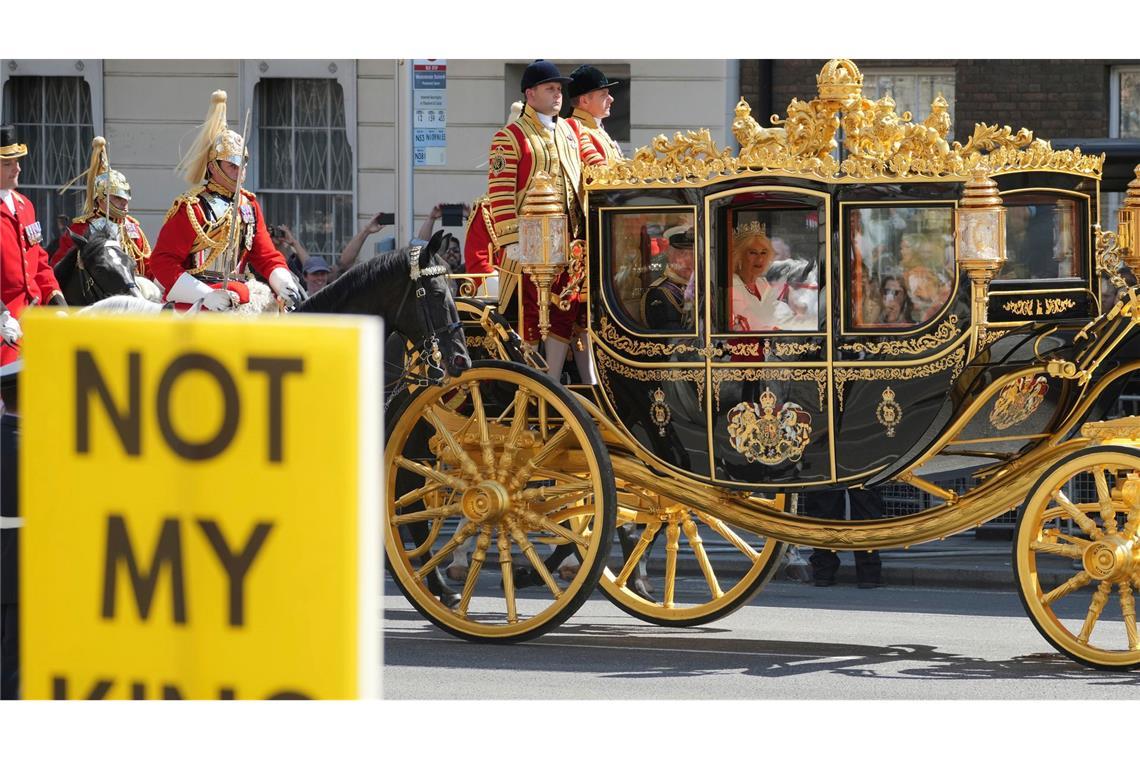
{"x":87,"y":283}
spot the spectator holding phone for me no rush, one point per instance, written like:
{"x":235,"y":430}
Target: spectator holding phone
{"x":352,"y":250}
{"x":296,"y":256}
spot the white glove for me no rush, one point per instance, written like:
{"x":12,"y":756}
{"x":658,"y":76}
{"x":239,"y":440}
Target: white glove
{"x":219,"y":300}
{"x":10,"y":330}
{"x":769,"y":302}
{"x":286,"y":287}
{"x":188,"y":289}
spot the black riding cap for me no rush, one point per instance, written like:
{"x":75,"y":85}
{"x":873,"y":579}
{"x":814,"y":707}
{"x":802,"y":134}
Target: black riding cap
{"x":541,"y":72}
{"x":10,"y":146}
{"x":586,"y":79}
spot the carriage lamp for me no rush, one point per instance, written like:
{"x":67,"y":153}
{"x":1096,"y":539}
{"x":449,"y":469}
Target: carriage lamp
{"x":542,"y":242}
{"x":980,"y":242}
{"x":1128,"y":226}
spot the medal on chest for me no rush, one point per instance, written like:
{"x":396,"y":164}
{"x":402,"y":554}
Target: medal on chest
{"x":34,"y":233}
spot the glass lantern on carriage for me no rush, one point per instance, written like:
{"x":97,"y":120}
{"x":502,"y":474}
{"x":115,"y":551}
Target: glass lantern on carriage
{"x":980,"y":240}
{"x":542,"y":250}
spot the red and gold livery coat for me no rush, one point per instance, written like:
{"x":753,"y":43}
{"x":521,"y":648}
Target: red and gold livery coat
{"x":25,"y":276}
{"x":519,"y":151}
{"x":591,"y":130}
{"x":481,"y":249}
{"x":131,"y":237}
{"x":194,"y":235}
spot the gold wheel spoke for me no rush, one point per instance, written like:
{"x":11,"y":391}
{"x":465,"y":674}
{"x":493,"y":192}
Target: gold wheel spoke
{"x":477,"y":558}
{"x":1069,"y":538}
{"x":672,"y":546}
{"x":550,"y":498}
{"x":556,"y":441}
{"x":1096,"y":606}
{"x":518,"y":425}
{"x":411,"y":497}
{"x":729,"y":535}
{"x":1079,"y":580}
{"x":1128,"y":608}
{"x":465,"y":532}
{"x":466,"y":463}
{"x":638,"y":552}
{"x":532,"y":554}
{"x":1104,"y":498}
{"x":1079,"y":517}
{"x":431,"y":474}
{"x":545,"y":523}
{"x":505,"y":566}
{"x":1062,"y":550}
{"x":694,"y":537}
{"x":424,"y":515}
{"x":484,"y":429}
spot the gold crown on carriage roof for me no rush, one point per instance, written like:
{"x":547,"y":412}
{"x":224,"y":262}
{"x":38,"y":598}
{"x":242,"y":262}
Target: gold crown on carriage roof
{"x":880,"y":144}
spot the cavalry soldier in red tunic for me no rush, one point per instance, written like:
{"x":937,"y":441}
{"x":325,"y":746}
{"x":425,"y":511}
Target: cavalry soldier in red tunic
{"x":589,"y":94}
{"x":26,"y":279}
{"x":192,"y":258}
{"x":538,"y":141}
{"x":108,"y":194}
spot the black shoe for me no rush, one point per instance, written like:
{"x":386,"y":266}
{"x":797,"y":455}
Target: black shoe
{"x":869,"y":584}
{"x":525,"y":577}
{"x":438,"y":586}
{"x":824,"y":582}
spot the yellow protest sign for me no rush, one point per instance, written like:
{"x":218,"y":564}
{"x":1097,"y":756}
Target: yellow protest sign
{"x":200,"y":500}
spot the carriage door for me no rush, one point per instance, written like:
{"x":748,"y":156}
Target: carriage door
{"x":769,"y":340}
{"x":902,"y":326}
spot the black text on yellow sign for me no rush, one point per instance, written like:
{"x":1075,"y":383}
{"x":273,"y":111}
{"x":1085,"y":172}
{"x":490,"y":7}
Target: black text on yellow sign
{"x":201,"y":508}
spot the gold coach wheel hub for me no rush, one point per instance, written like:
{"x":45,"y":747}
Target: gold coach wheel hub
{"x":1110,"y":559}
{"x":485,"y":502}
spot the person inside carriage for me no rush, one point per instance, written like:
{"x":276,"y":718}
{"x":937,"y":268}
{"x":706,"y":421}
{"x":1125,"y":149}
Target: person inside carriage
{"x":757,"y":304}
{"x":108,"y":196}
{"x":189,"y":259}
{"x":665,"y":306}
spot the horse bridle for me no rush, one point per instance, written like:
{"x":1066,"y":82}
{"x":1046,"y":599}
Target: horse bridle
{"x":87,"y":283}
{"x":429,"y":349}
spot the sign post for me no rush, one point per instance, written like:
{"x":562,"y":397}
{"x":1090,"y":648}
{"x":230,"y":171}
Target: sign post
{"x":429,"y":87}
{"x":201,"y":508}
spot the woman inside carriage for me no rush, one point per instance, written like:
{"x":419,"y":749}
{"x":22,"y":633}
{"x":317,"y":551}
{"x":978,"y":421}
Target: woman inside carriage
{"x":757,"y":304}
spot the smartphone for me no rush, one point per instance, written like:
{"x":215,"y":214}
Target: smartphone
{"x":452,"y":214}
{"x":384,"y":219}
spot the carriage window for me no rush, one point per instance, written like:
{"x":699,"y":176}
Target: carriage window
{"x":773,"y":262}
{"x":652,"y":266}
{"x":900,"y":262}
{"x":1042,"y":238}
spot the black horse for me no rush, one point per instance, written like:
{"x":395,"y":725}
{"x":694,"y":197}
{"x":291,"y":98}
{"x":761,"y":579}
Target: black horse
{"x":97,"y":267}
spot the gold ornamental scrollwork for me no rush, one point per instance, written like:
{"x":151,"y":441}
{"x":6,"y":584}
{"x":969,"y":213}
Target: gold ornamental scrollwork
{"x":769,"y":374}
{"x":990,"y":337}
{"x":765,"y":434}
{"x":880,"y":144}
{"x":641,"y":348}
{"x":946,"y":332}
{"x":954,"y":361}
{"x":785,"y":348}
{"x":607,"y":364}
{"x":1018,"y":400}
{"x":1030,"y":307}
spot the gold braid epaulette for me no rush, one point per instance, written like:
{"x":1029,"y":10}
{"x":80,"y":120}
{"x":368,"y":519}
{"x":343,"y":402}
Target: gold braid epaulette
{"x":215,"y":236}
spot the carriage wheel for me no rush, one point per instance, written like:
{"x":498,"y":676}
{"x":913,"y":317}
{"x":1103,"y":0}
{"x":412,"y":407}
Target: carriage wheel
{"x":1077,"y":556}
{"x":507,"y":458}
{"x":728,"y":566}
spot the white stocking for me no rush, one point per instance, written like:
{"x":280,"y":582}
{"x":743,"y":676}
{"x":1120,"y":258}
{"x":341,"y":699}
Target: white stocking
{"x":584,"y":360}
{"x":555,"y":357}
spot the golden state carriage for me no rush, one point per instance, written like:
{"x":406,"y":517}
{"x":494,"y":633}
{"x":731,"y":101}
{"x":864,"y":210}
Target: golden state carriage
{"x":932,"y":299}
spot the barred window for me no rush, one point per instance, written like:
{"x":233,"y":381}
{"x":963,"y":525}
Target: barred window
{"x":52,"y":116}
{"x":304,"y":162}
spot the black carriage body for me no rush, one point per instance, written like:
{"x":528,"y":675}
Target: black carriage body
{"x":846,"y":399}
